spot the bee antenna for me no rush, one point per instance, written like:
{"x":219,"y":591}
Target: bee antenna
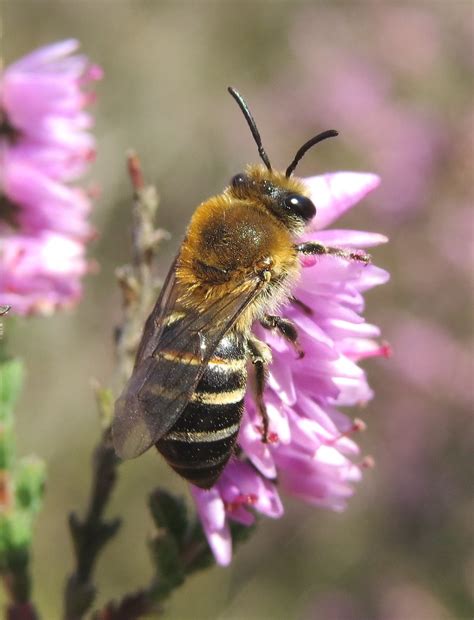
{"x":330,"y":133}
{"x":251,"y":123}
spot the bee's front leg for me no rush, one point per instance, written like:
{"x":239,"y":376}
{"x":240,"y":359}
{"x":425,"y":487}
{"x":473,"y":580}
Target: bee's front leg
{"x":313,"y":248}
{"x":260,"y":356}
{"x":286,"y":328}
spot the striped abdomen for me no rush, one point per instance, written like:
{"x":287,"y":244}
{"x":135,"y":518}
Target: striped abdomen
{"x":201,"y":442}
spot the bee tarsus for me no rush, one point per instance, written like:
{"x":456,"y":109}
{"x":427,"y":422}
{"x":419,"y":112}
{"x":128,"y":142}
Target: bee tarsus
{"x":261,"y":356}
{"x":286,"y":328}
{"x":301,"y":305}
{"x":313,"y":248}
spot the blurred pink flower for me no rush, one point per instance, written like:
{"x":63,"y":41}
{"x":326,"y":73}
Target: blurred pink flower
{"x":44,"y":144}
{"x":39,"y":274}
{"x":310,"y":452}
{"x":359,"y":93}
{"x":39,"y":202}
{"x":42,"y":98}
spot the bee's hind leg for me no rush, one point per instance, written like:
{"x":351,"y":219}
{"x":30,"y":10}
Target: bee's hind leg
{"x":286,"y":328}
{"x":313,"y":248}
{"x":260,"y":356}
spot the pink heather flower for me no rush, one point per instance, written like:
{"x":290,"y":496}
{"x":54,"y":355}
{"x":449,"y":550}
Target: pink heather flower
{"x":39,"y":202}
{"x":42,"y":99}
{"x":239,"y":488}
{"x":44,"y":145}
{"x":310,"y":452}
{"x":406,"y":140}
{"x":40,"y":274}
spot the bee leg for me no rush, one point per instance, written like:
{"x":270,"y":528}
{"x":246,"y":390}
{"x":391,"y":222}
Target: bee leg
{"x":301,"y":305}
{"x":260,"y":356}
{"x":313,"y":248}
{"x":286,"y":328}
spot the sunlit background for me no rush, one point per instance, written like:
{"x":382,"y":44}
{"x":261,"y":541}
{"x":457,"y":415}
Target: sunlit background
{"x":396,"y":81}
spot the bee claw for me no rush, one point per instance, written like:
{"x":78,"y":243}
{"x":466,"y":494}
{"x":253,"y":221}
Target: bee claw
{"x":362,"y":257}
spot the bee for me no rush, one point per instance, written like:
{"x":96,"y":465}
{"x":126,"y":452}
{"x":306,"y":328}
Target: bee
{"x":236,"y":265}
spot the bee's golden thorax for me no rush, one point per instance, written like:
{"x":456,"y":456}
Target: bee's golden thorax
{"x":234,"y":235}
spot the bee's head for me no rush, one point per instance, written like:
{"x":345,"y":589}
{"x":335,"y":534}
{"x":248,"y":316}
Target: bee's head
{"x":285,"y":196}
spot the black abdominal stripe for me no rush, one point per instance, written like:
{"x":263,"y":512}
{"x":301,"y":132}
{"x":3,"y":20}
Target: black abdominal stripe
{"x":201,"y":442}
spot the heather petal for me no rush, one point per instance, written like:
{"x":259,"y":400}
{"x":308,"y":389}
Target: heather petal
{"x":331,"y":269}
{"x":335,"y":193}
{"x":372,"y":276}
{"x":43,"y":203}
{"x":44,"y":55}
{"x":220,"y":542}
{"x":255,"y":490}
{"x":55,"y":161}
{"x":362,"y":348}
{"x":250,"y":440}
{"x":352,"y":392}
{"x":242,"y":516}
{"x":312,"y":409}
{"x":347,"y":238}
{"x":343,"y":367}
{"x":281,"y":380}
{"x":211,"y":508}
{"x":310,"y":327}
{"x":338,"y":328}
{"x":317,"y":481}
{"x":331,"y":306}
{"x":40,"y":274}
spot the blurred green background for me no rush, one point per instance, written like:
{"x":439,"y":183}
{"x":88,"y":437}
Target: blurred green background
{"x":396,"y":80}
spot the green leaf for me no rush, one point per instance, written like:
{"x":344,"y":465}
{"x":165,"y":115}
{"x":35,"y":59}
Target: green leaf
{"x":4,"y":540}
{"x":15,"y":540}
{"x":20,"y":538}
{"x":169,"y":513}
{"x":167,"y":561}
{"x":7,"y":446}
{"x":240,"y":533}
{"x":30,"y":481}
{"x":199,"y":555}
{"x":105,"y":403}
{"x":89,"y":537}
{"x":11,"y":378}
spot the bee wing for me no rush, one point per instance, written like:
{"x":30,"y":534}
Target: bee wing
{"x":159,"y":388}
{"x":154,"y":324}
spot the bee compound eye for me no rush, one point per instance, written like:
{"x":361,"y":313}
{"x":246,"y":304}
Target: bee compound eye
{"x":300,"y":206}
{"x":239,"y":181}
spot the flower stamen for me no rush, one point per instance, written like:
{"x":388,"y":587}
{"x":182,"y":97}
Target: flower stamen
{"x":241,"y":500}
{"x":357,"y":426}
{"x":384,"y":350}
{"x":272,"y":437}
{"x":368,"y":462}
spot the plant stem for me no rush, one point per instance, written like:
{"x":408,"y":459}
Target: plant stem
{"x":91,"y":534}
{"x":21,"y":611}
